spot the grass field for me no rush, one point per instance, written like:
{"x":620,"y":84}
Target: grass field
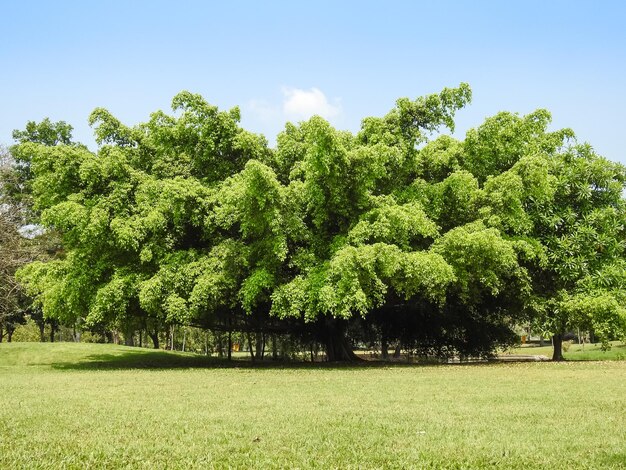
{"x":91,"y":406}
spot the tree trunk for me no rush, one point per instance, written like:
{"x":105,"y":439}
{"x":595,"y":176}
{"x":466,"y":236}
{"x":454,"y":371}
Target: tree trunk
{"x":384,"y":347}
{"x":259,"y":345}
{"x":250,"y":346}
{"x":128,"y":337}
{"x":230,"y":345}
{"x":274,"y":348}
{"x":42,"y":331}
{"x":219,"y":344}
{"x":396,"y":353}
{"x":155,"y":338}
{"x":557,"y":341}
{"x":337,"y":345}
{"x":52,"y":331}
{"x":10,"y":329}
{"x":1,"y":332}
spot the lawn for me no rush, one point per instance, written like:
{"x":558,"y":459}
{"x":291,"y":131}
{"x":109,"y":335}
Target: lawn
{"x":91,"y":406}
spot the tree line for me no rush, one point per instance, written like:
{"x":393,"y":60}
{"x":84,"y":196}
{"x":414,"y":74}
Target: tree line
{"x":395,"y":235}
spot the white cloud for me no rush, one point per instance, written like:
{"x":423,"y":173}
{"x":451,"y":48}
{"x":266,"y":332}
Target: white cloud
{"x":264,"y":111}
{"x":268,"y":117}
{"x":302,"y":104}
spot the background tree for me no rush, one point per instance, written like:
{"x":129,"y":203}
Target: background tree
{"x":17,"y":182}
{"x":15,"y":251}
{"x":583,"y":231}
{"x":22,"y":240}
{"x":566,"y":205}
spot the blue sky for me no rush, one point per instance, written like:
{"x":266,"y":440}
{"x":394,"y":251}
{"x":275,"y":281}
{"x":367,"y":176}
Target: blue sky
{"x":283,"y":60}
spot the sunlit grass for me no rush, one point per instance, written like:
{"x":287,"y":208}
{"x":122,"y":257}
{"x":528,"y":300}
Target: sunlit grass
{"x":579,"y":352}
{"x":81,"y":406}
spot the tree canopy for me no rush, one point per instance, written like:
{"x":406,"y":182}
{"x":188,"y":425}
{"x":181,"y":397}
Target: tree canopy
{"x":396,"y":231}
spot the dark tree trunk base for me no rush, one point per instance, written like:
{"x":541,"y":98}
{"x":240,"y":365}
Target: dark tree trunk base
{"x":557,"y":341}
{"x":338,"y":348}
{"x":155,"y":339}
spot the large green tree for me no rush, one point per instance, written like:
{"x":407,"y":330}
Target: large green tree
{"x":442,"y":245}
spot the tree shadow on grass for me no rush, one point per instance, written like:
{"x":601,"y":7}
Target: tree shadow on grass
{"x":140,"y":359}
{"x":159,"y":359}
{"x":165,"y":360}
